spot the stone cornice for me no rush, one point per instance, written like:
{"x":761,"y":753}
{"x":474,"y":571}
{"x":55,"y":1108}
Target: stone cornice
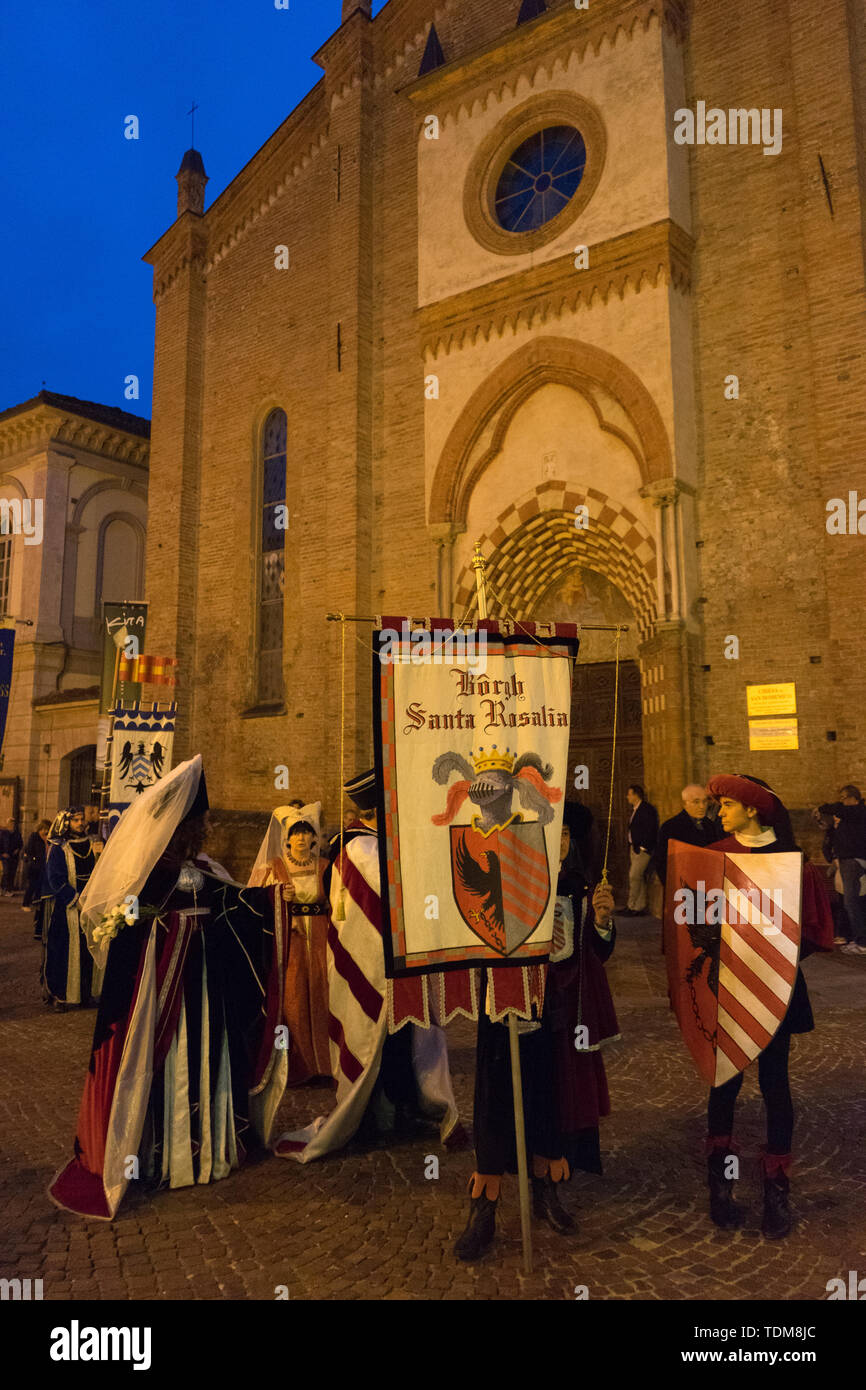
{"x":347,"y":56}
{"x":47,"y":425}
{"x":495,"y":68}
{"x":663,"y":492}
{"x":183,"y":247}
{"x":661,"y":252}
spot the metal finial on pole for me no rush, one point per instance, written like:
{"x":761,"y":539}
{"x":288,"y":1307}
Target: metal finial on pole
{"x":191,"y":112}
{"x":479,"y":564}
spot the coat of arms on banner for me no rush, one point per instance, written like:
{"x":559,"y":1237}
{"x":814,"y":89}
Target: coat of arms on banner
{"x":499,"y":864}
{"x":472,"y":756}
{"x":732,"y":944}
{"x":143,"y":738}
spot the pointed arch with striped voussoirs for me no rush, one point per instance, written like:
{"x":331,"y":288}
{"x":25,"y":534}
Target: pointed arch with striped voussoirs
{"x":535,"y":542}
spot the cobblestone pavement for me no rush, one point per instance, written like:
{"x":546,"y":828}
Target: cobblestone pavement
{"x":368,"y":1224}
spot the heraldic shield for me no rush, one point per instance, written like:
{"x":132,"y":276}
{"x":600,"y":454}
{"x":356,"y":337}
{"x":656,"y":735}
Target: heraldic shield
{"x":732,"y":944}
{"x":501,"y":881}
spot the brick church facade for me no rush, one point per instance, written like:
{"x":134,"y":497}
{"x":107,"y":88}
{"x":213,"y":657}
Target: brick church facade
{"x":380,"y":344}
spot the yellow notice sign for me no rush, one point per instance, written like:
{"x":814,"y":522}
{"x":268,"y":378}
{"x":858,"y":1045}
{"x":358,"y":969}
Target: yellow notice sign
{"x":768,"y":734}
{"x":771,"y":699}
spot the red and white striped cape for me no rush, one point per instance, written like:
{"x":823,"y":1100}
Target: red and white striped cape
{"x":364,"y":1007}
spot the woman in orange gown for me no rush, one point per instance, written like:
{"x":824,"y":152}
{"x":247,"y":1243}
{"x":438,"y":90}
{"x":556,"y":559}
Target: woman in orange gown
{"x":290,"y":855}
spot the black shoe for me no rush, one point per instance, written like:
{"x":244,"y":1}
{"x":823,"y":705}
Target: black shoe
{"x":480,"y":1229}
{"x":626,"y":912}
{"x":777,"y":1220}
{"x":546,"y":1206}
{"x":724,"y":1211}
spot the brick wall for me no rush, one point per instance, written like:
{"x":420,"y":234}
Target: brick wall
{"x":779,"y":301}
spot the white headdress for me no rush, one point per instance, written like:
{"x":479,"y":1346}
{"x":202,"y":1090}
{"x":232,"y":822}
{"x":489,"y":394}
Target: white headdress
{"x":275,"y":843}
{"x":137,"y":842}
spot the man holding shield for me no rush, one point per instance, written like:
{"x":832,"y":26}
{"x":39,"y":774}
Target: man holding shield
{"x":743,"y":973}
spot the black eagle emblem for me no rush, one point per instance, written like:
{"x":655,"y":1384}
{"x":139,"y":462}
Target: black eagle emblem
{"x":481,"y":883}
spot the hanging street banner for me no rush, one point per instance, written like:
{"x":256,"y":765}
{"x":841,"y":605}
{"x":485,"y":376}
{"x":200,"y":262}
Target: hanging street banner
{"x":732,"y":943}
{"x":143,"y":741}
{"x":7,"y":653}
{"x":115,"y":618}
{"x":471,"y":733}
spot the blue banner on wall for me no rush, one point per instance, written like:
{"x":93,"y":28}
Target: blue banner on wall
{"x":7,"y":649}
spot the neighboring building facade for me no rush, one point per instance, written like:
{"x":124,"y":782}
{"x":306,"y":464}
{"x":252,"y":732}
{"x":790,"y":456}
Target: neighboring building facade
{"x":386,"y":327}
{"x":87,"y":464}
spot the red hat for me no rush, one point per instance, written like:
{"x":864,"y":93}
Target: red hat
{"x":744,"y":790}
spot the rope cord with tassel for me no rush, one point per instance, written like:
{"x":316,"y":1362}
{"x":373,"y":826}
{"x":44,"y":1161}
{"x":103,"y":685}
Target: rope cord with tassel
{"x":604,"y":878}
{"x":340,"y":913}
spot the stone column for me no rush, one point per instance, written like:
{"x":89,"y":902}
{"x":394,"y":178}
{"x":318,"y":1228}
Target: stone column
{"x":444,"y":534}
{"x":664,"y":495}
{"x":667,"y":658}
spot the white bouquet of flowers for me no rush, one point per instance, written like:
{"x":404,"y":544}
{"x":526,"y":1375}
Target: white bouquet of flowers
{"x":124,"y":914}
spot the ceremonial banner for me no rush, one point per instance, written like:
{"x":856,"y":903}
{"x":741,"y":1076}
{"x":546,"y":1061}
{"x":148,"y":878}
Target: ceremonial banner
{"x":154,"y":670}
{"x":143,"y":739}
{"x":115,"y":616}
{"x":472,"y":735}
{"x":7,"y":652}
{"x":732,"y":944}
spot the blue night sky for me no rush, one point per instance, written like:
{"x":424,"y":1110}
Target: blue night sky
{"x":82,"y":204}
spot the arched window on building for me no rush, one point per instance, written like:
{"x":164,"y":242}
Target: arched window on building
{"x":119,"y":560}
{"x":5,"y":572}
{"x":272,"y":560}
{"x":78,"y":777}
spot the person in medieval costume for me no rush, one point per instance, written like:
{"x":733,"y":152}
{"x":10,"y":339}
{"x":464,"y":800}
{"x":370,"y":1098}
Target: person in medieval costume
{"x":756,"y":822}
{"x":564,"y":1084}
{"x":385,"y":1082}
{"x":352,"y":826}
{"x":68,"y":975}
{"x":186,"y":1071}
{"x":289,"y":855}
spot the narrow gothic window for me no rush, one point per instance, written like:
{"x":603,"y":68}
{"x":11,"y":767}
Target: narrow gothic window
{"x":5,"y":571}
{"x":273,"y":560}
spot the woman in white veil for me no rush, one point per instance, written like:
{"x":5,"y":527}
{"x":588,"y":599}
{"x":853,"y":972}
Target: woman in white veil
{"x":186,"y":1070}
{"x":135,"y":846}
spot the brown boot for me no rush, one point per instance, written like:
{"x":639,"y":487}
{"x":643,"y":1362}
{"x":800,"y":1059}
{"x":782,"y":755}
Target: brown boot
{"x":481,"y":1226}
{"x":777,"y":1220}
{"x":724,"y":1211}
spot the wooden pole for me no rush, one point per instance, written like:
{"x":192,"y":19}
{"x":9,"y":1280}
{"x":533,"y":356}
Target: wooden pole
{"x":109,"y":740}
{"x":513,"y":1037}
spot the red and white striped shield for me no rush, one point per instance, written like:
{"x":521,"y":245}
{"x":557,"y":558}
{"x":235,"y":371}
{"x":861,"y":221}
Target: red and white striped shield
{"x":732,"y":943}
{"x":501,"y":881}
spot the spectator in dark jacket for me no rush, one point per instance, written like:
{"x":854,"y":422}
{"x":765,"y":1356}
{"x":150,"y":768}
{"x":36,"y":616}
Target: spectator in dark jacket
{"x":643,"y":829}
{"x":848,"y":843}
{"x":842,"y":932}
{"x":34,"y":862}
{"x":693,"y":825}
{"x":11,"y":846}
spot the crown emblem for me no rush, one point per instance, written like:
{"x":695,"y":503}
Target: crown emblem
{"x":493,"y":758}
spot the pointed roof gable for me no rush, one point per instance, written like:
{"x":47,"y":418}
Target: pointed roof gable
{"x":530,"y":9}
{"x":433,"y":55}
